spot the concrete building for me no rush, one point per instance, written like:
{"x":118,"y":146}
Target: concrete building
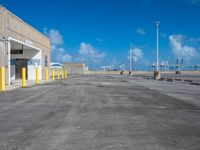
{"x":75,"y":68}
{"x":21,"y":46}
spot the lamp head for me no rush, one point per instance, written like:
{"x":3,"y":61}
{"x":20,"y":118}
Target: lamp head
{"x":157,"y":23}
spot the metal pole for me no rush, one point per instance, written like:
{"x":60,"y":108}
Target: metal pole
{"x":157,"y":45}
{"x":133,"y":61}
{"x":130,"y":59}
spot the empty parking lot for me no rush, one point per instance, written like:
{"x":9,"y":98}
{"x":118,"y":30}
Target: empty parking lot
{"x":101,"y":112}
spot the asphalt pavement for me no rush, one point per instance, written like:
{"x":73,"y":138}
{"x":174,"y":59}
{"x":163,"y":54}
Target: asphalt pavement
{"x":101,"y":112}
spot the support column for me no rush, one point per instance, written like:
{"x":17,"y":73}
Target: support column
{"x":8,"y":63}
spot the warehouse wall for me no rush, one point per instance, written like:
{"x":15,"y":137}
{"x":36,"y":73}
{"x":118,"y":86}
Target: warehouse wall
{"x":21,"y":31}
{"x":2,"y":54}
{"x":74,"y":68}
{"x":2,"y":44}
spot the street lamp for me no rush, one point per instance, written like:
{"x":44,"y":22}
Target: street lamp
{"x":130,"y":59}
{"x":157,"y":72}
{"x":157,"y":45}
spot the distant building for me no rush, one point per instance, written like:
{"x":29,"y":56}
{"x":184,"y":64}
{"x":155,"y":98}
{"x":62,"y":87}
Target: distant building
{"x":75,"y":68}
{"x":55,"y":65}
{"x":21,"y":46}
{"x":197,"y":67}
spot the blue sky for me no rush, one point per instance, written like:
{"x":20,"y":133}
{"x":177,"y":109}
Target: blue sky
{"x":99,"y":32}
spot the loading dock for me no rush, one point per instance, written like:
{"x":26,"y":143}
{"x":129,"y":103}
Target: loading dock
{"x":22,"y":46}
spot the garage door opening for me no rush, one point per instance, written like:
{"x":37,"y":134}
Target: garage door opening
{"x":20,"y":63}
{"x":23,"y":55}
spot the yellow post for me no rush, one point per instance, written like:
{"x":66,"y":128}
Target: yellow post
{"x":53,"y":75}
{"x":37,"y":76}
{"x":2,"y":79}
{"x":47,"y":75}
{"x":23,"y":77}
{"x":58,"y":74}
{"x":63,"y":74}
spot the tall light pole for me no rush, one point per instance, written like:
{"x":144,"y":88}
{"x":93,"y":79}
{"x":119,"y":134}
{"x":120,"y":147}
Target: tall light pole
{"x":157,"y":45}
{"x":131,"y":58}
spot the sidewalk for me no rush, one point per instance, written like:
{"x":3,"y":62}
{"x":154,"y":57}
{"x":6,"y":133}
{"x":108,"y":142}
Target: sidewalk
{"x":18,"y":84}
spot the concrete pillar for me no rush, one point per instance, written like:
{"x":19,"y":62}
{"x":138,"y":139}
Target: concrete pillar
{"x":157,"y":75}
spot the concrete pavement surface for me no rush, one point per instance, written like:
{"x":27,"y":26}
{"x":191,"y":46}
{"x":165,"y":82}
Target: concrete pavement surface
{"x":189,"y":78}
{"x":101,"y":112}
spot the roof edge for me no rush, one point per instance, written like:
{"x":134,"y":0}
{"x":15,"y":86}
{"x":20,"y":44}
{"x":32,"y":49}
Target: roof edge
{"x":1,"y":6}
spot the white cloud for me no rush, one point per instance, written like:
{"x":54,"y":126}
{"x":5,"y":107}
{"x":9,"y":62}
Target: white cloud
{"x":179,"y":48}
{"x":54,"y":36}
{"x":87,"y":51}
{"x":53,"y":48}
{"x":193,"y":40}
{"x":62,"y":50}
{"x":137,"y":54}
{"x":58,"y":53}
{"x":63,"y":56}
{"x":66,"y":58}
{"x":140,"y":31}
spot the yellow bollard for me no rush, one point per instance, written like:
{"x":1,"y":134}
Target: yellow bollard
{"x":47,"y":75}
{"x":23,"y":77}
{"x":58,"y":74}
{"x":37,"y":76}
{"x":2,"y":79}
{"x":63,"y":74}
{"x":53,"y":75}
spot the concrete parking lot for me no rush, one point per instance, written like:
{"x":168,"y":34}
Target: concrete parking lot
{"x":101,"y":112}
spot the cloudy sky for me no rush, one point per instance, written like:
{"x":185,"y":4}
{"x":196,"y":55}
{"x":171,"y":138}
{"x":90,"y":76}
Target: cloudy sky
{"x":100,"y":32}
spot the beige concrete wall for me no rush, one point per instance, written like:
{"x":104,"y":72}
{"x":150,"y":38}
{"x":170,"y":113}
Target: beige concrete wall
{"x":2,"y":44}
{"x":2,"y":54}
{"x":74,"y":68}
{"x":18,"y":29}
{"x":2,"y":20}
{"x":14,"y":27}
